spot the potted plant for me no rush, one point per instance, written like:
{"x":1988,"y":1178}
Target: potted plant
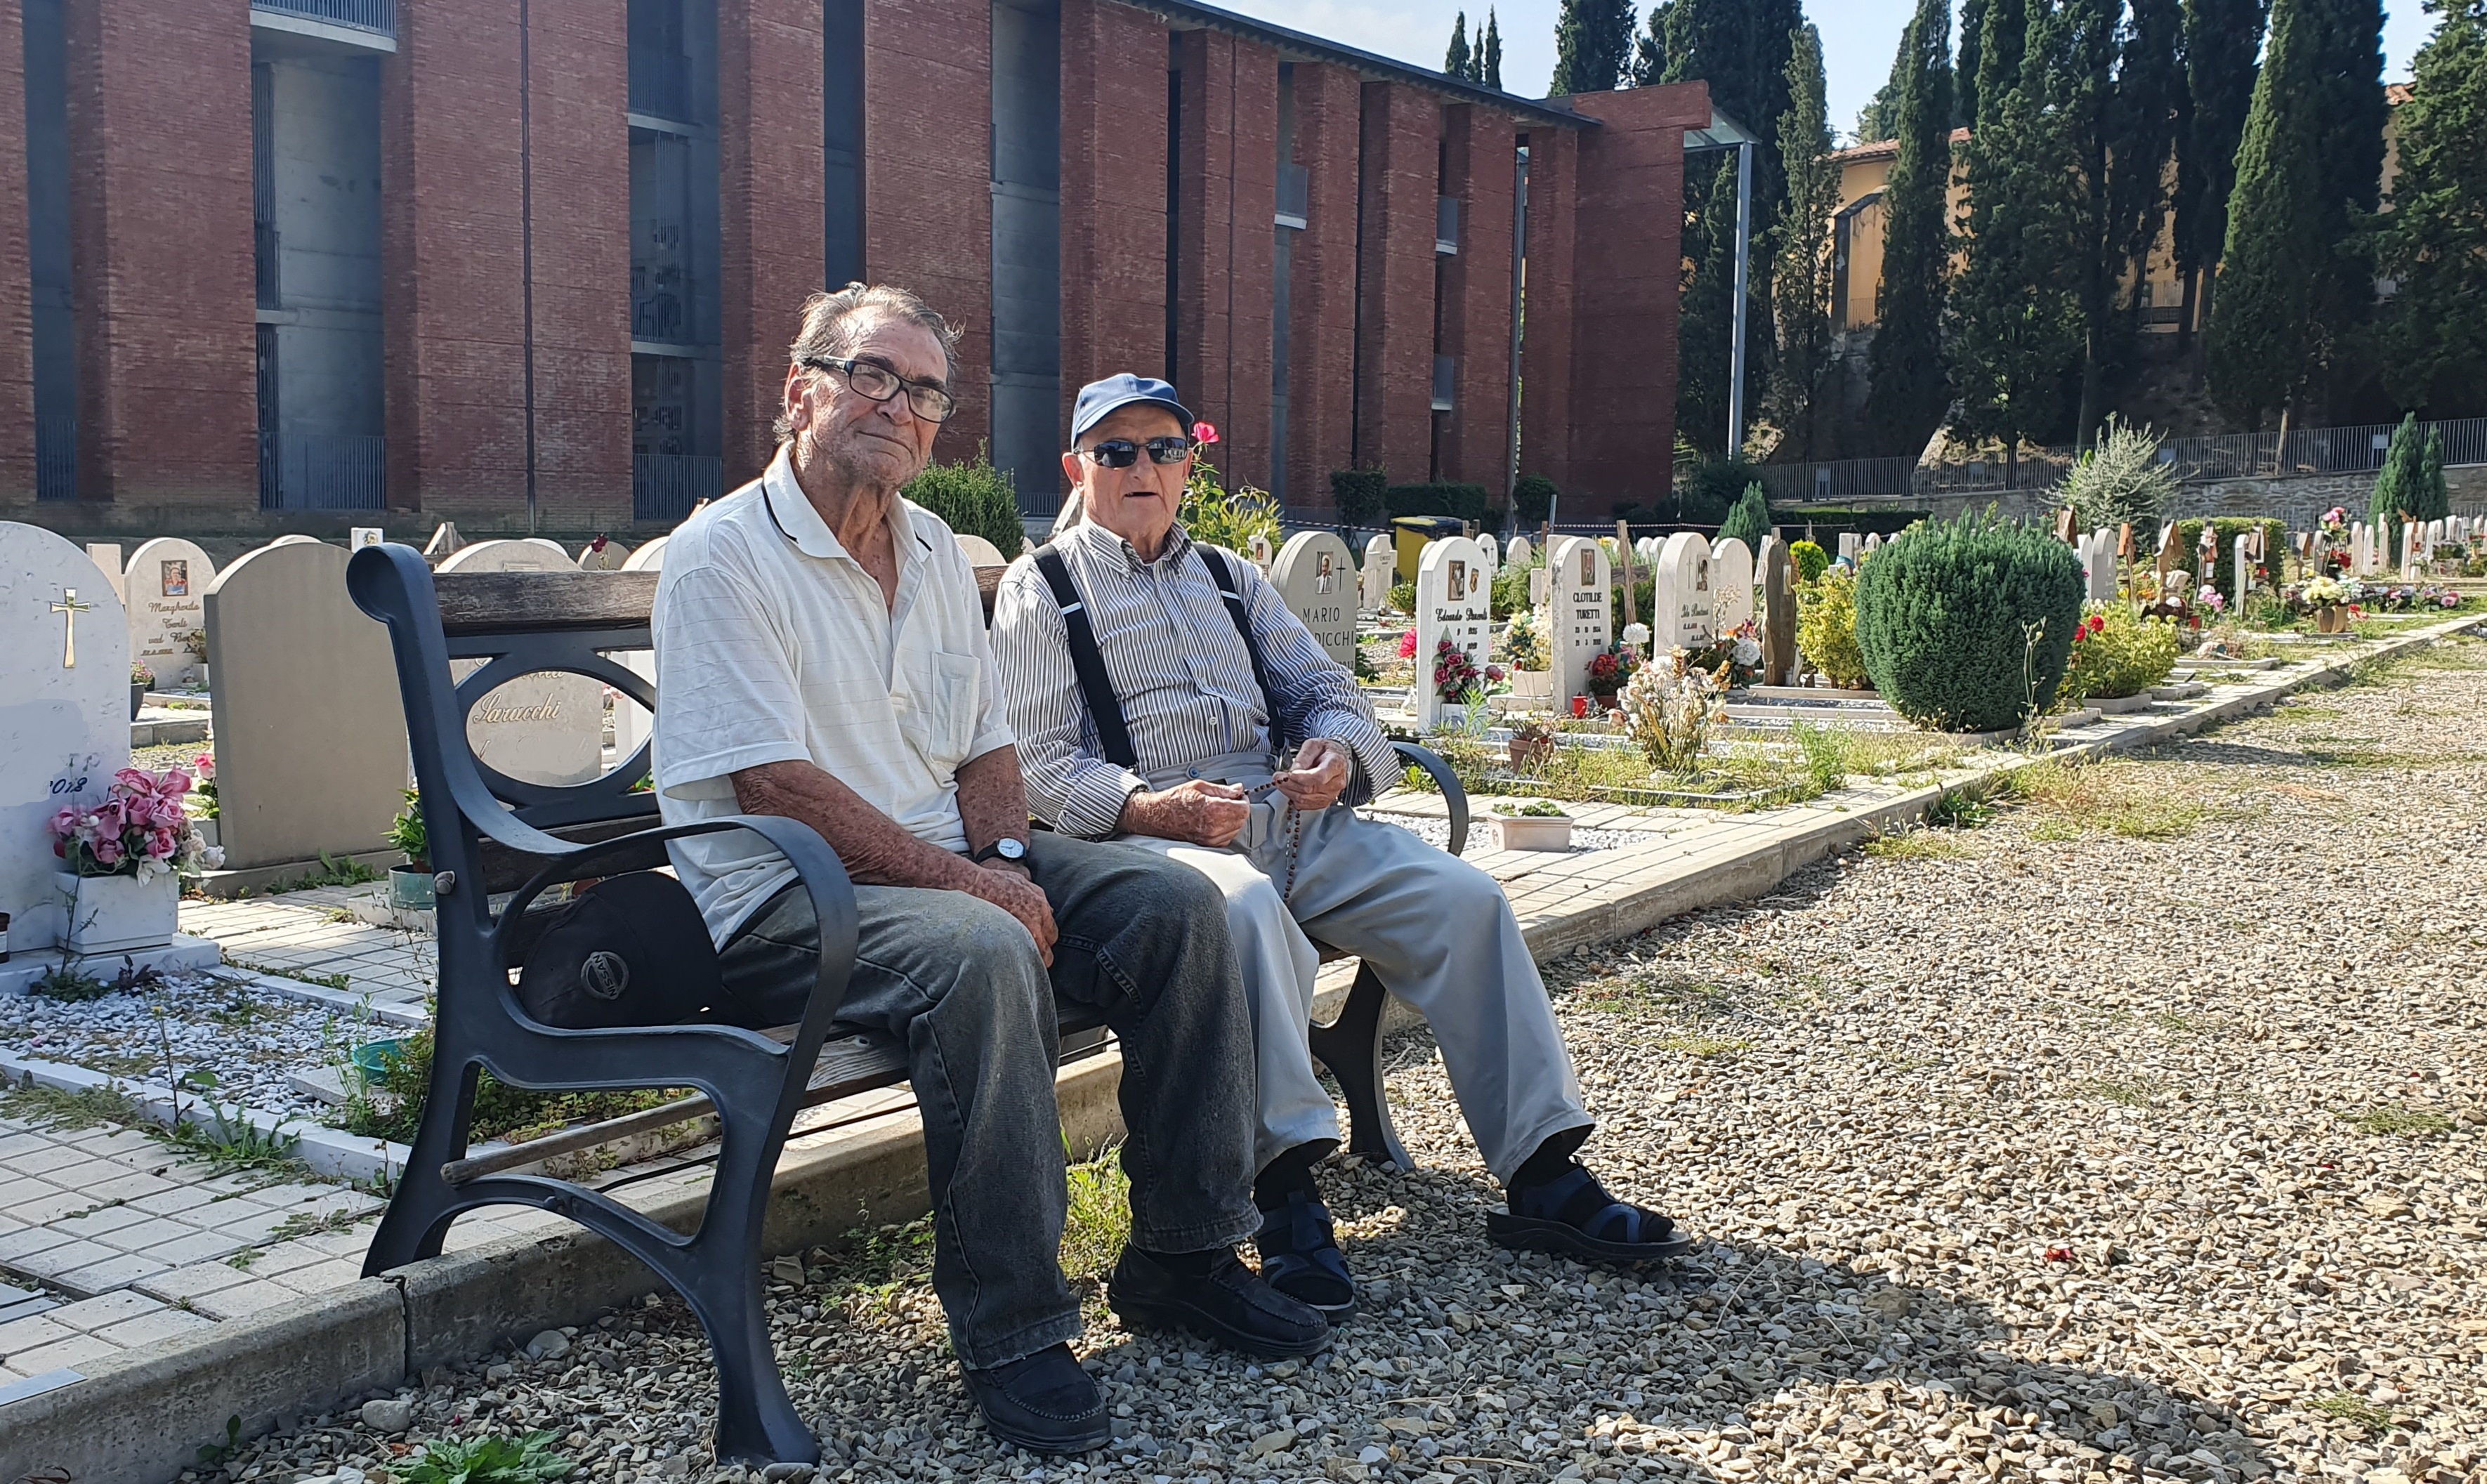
{"x":1536,"y":825}
{"x":1455,"y":675}
{"x":410,"y":884}
{"x":141,"y":678}
{"x":124,"y":861}
{"x":195,"y":643}
{"x":1532,"y":743}
{"x":1608,"y":674}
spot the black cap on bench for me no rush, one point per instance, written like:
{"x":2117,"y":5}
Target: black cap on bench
{"x":630,"y":950}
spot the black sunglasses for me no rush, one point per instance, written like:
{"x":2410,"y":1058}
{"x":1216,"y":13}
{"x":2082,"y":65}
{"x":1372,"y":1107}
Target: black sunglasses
{"x":1123,"y":453}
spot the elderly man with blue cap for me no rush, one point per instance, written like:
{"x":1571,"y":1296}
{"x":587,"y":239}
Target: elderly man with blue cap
{"x":1163,"y":695}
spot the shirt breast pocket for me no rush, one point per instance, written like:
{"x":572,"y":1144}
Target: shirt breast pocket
{"x":939,"y":716}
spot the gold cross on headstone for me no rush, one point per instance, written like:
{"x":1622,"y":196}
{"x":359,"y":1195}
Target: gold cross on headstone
{"x":70,"y":607}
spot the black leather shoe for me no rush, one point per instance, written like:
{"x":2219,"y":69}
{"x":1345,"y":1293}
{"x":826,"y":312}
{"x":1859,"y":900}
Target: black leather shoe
{"x":1044,"y":1403}
{"x":1229,"y":1303}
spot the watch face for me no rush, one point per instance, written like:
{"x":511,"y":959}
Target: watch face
{"x":1010,"y":849}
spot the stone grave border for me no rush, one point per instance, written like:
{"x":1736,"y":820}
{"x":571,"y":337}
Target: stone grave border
{"x":143,"y":1414}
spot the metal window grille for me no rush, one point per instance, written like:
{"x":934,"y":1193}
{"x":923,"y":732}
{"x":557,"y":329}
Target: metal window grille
{"x":56,"y":457}
{"x":1446,"y":224}
{"x":665,"y":486}
{"x":378,"y":15}
{"x":322,"y":471}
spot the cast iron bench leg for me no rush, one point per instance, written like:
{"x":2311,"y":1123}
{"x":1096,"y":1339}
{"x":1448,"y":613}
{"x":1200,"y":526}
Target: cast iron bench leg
{"x":1350,"y":1046}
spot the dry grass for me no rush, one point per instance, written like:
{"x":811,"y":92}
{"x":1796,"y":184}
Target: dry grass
{"x":1915,"y":844}
{"x":2129,"y":799}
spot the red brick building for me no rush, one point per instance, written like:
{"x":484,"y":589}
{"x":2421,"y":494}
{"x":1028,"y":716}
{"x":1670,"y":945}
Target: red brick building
{"x":497,"y":261}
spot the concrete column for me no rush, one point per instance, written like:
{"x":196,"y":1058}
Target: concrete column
{"x":1321,"y":337}
{"x":928,"y":181}
{"x":1546,"y":345}
{"x":1401,"y":132}
{"x":161,"y":234}
{"x":770,"y":196}
{"x":1113,"y":195}
{"x":1476,"y":297}
{"x":1224,"y":244}
{"x":16,"y":276}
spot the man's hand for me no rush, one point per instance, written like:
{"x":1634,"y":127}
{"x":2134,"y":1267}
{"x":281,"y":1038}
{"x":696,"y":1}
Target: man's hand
{"x":1197,"y":810}
{"x":1022,"y":898}
{"x":1320,"y":775}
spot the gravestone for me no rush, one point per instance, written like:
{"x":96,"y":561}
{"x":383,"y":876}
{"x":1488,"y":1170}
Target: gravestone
{"x":1454,"y":602}
{"x":167,"y":585}
{"x":63,"y":712}
{"x":1258,"y":549}
{"x":444,"y":541}
{"x":1493,"y":551}
{"x":1540,"y":588}
{"x":541,"y":728}
{"x":106,"y":555}
{"x":603,"y":554}
{"x":1686,"y":604}
{"x":631,"y":720}
{"x":2098,"y":564}
{"x":1873,"y":544}
{"x":1779,"y":613}
{"x":294,"y":540}
{"x":1731,"y":566}
{"x":1380,"y":556}
{"x":2169,"y":559}
{"x":2067,"y":527}
{"x":1517,"y":551}
{"x":362,"y":536}
{"x":1849,"y":547}
{"x":979,"y":551}
{"x":309,"y":733}
{"x":2241,"y":573}
{"x":1580,"y":612}
{"x":1313,"y":575}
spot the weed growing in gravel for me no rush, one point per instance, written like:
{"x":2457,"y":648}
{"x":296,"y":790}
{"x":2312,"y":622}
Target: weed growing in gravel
{"x":332,"y":872}
{"x":1649,"y":998}
{"x":1913,"y":845}
{"x":50,"y":1107}
{"x":2393,"y":1119}
{"x":1099,"y":1218}
{"x":2356,"y":1411}
{"x":1960,"y":810}
{"x":2134,"y":1092}
{"x":488,"y":1461}
{"x":2128,"y":799}
{"x":302,"y":1223}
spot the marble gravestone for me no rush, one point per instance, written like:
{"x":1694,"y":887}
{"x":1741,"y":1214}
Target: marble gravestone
{"x":362,"y":536}
{"x":1517,"y":551}
{"x":1685,"y":603}
{"x":1258,"y":551}
{"x":167,"y":586}
{"x":545,"y":728}
{"x":1314,"y":576}
{"x":1778,"y":612}
{"x":1493,"y":551}
{"x":2098,"y":564}
{"x":1731,"y":566}
{"x":1454,"y":602}
{"x":63,"y":712}
{"x":632,"y":723}
{"x":551,"y":545}
{"x":604,"y":554}
{"x":978,"y":551}
{"x":106,"y":555}
{"x":1580,"y":612}
{"x":310,"y":730}
{"x":1849,"y":547}
{"x":1379,"y":557}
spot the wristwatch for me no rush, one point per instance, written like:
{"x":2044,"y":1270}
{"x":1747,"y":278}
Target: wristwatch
{"x":1004,"y":849}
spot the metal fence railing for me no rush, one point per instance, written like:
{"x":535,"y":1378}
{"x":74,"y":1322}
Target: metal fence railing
{"x":665,"y":486}
{"x":660,"y":83}
{"x":322,"y":471}
{"x":378,"y":15}
{"x":56,"y":457}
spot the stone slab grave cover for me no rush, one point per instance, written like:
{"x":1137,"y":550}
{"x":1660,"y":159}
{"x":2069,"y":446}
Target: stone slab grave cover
{"x":1685,"y":598}
{"x":603,"y":554}
{"x":1314,"y":576}
{"x":1778,"y":612}
{"x":632,"y":723}
{"x":63,"y":712}
{"x":1731,"y":566}
{"x":167,"y":591}
{"x":1379,"y":557}
{"x":309,"y":733}
{"x":1580,"y":612}
{"x":1454,"y":602}
{"x":546,"y":728}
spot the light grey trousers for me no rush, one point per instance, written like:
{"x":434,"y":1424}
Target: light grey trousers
{"x":1440,"y":935}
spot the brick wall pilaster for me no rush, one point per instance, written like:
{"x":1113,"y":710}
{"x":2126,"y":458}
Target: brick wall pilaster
{"x":1224,"y":244}
{"x":772,"y":207}
{"x":582,"y":260}
{"x":161,"y":245}
{"x":1401,"y":136}
{"x":1476,"y":308}
{"x":1113,"y":195}
{"x":1547,"y":336}
{"x":1320,"y":334}
{"x":17,"y":277}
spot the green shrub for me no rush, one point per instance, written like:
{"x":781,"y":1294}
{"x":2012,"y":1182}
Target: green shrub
{"x":1533,"y":498}
{"x":1825,"y":626}
{"x":1644,"y":600}
{"x":1361,"y":495}
{"x":1460,"y":502}
{"x":1511,"y":585}
{"x":1810,"y":560}
{"x":2226,"y":529}
{"x":2119,"y":479}
{"x":1709,"y":486}
{"x":2119,"y":654}
{"x":974,"y":499}
{"x":1967,"y":624}
{"x":1826,"y":522}
{"x":1212,"y":514}
{"x":1403,"y":597}
{"x":1750,"y":521}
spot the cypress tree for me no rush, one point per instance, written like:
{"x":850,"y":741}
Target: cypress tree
{"x":1880,"y":119}
{"x":2129,"y":125}
{"x":2433,"y":501}
{"x":1591,"y":39}
{"x":2434,"y":240}
{"x":1649,"y":50}
{"x":2221,"y":40}
{"x":2016,"y":328}
{"x":1749,"y":522}
{"x":1706,"y":306}
{"x":1964,"y":70}
{"x":1907,"y":389}
{"x":1455,"y":61}
{"x":1800,"y":268}
{"x":2398,"y":486}
{"x":2002,"y":39}
{"x":1491,"y":72}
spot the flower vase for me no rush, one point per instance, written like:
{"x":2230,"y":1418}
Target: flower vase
{"x":411,"y":889}
{"x":118,"y":914}
{"x":2330,"y":619}
{"x":137,"y":697}
{"x":1527,"y":752}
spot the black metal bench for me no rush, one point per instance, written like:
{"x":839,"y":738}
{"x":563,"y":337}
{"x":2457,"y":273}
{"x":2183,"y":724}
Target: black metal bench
{"x":490,"y":833}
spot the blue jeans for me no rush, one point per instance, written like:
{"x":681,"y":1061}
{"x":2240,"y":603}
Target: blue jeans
{"x":1143,"y":943}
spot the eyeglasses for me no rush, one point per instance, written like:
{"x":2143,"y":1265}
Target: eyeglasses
{"x":1123,"y":453}
{"x":880,"y":383}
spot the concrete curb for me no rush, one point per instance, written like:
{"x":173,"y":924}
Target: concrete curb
{"x":143,"y":1416}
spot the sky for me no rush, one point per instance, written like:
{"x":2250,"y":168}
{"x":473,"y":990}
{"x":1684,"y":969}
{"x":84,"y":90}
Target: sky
{"x":1858,"y":37}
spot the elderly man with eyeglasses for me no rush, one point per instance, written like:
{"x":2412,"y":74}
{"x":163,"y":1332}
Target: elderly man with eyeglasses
{"x":822,"y":654}
{"x":1164,"y":694}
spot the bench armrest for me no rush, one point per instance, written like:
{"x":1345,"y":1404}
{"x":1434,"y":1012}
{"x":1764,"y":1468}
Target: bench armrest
{"x":1455,"y":796}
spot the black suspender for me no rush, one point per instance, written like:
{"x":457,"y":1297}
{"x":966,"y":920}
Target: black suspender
{"x":1104,"y":707}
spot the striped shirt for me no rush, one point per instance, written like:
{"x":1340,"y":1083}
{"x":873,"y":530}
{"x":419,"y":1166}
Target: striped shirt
{"x":1184,"y":677}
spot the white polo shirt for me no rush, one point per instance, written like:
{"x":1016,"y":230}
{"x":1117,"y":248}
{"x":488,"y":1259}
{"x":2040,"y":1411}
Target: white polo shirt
{"x":774,"y":645}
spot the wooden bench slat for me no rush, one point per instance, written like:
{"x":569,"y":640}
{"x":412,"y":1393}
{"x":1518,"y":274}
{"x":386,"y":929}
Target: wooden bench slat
{"x":475,"y":603}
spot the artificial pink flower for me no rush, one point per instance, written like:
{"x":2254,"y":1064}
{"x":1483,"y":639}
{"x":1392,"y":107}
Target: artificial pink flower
{"x":107,"y":850}
{"x":1407,"y":645}
{"x":205,"y":765}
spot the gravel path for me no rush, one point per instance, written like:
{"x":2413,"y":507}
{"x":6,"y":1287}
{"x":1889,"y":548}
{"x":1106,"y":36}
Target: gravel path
{"x":2133,"y":1134}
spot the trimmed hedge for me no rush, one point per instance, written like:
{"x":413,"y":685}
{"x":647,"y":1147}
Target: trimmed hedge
{"x":1534,"y":497}
{"x":1944,"y":617}
{"x":1460,"y":502}
{"x":973,"y":498}
{"x":1361,"y":495}
{"x":2226,"y":529}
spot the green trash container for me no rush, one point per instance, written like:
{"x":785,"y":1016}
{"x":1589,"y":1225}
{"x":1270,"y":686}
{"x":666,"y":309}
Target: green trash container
{"x":1413,"y":532}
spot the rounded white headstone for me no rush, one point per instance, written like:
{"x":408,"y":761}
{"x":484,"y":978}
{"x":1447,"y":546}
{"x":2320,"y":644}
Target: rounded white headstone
{"x":1731,"y":569}
{"x":980,"y":551}
{"x":1313,"y":575}
{"x":63,"y":712}
{"x":167,"y":587}
{"x":1454,"y":602}
{"x":543,"y":728}
{"x":1580,"y":611}
{"x":1685,"y":601}
{"x":614,"y":557}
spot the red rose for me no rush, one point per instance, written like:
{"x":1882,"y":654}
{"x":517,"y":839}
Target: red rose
{"x":1204,"y":432}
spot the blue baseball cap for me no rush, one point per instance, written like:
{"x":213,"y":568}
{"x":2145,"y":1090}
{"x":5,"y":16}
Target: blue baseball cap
{"x":1099,"y":398}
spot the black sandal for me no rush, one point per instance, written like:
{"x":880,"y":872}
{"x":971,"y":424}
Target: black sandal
{"x":1299,"y":1257}
{"x":1572,"y":1215}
